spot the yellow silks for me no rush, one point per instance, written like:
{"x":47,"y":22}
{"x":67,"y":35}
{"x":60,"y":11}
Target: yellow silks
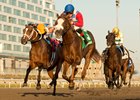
{"x":41,"y":28}
{"x":116,"y":30}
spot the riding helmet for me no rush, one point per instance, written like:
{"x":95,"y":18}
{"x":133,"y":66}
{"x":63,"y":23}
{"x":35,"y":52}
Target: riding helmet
{"x":69,"y":8}
{"x":115,"y":30}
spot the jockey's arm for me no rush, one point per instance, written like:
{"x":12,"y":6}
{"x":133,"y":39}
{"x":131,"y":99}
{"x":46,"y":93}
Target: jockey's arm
{"x":79,"y":21}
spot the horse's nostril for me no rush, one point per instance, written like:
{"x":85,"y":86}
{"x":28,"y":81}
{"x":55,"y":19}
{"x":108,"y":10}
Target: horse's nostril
{"x":23,"y":41}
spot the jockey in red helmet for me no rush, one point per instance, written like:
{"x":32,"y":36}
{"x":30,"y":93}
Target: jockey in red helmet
{"x":76,"y":18}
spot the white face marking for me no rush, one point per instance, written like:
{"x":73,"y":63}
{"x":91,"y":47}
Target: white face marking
{"x":59,"y":24}
{"x":24,"y":35}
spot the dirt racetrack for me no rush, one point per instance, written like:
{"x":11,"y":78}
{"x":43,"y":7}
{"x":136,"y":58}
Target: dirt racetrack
{"x":132,"y":93}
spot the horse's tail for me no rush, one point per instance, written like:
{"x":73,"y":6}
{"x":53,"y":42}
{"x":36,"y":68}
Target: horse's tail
{"x":96,"y":55}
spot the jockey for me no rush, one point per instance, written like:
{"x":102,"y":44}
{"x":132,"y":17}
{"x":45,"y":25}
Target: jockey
{"x":76,"y":18}
{"x":49,"y":37}
{"x":118,"y":38}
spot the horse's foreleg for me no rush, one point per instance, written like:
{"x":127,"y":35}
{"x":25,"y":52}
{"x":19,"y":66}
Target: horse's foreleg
{"x":130,"y":77}
{"x":65,"y":69}
{"x":71,"y":84}
{"x":129,"y":85}
{"x":38,"y":87}
{"x":110,"y":84}
{"x":26,"y":76}
{"x":118,"y":74}
{"x":124,"y":72}
{"x":131,"y":70}
{"x":54,"y":81}
{"x":87,"y":62}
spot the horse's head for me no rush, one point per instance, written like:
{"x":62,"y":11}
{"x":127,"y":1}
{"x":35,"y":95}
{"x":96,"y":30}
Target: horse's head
{"x":110,"y":38}
{"x":29,"y":33}
{"x":62,"y":25}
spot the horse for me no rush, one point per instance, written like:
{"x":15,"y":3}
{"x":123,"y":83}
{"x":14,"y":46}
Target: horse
{"x":124,"y":68}
{"x":113,"y":63}
{"x":128,"y":66}
{"x":71,"y":52}
{"x":40,"y":52}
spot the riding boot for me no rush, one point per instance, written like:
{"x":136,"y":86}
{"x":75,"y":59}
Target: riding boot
{"x":82,"y":35}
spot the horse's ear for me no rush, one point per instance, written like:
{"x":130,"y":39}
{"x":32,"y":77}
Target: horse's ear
{"x":57,"y":15}
{"x":108,"y":31}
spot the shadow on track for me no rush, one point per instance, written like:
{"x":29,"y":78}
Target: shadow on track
{"x":37,"y":94}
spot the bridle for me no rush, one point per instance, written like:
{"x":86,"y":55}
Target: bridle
{"x":29,"y":37}
{"x":64,"y":33}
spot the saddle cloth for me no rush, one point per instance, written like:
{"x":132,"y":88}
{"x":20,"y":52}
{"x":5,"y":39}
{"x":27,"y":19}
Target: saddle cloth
{"x":86,"y":38}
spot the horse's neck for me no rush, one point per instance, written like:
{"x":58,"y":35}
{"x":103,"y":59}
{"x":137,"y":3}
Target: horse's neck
{"x":39,"y":43}
{"x":112,"y":50}
{"x":70,"y":35}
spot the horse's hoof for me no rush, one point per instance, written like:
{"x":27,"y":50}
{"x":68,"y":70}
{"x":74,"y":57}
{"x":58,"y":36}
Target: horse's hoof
{"x":78,"y":89}
{"x":111,"y":87}
{"x":49,"y":86}
{"x":71,"y":86}
{"x":118,"y":87}
{"x":24,"y":85}
{"x":125,"y":83}
{"x":54,"y":94}
{"x":38,"y":87}
{"x":83,"y":75}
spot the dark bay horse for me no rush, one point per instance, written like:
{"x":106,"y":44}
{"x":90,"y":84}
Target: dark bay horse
{"x":113,"y":63}
{"x":128,"y":67}
{"x":71,"y":52}
{"x":40,"y":53}
{"x":125,"y":68}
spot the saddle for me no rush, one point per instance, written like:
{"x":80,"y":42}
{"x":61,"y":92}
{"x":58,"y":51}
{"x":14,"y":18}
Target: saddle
{"x":54,"y":44}
{"x":86,"y":39}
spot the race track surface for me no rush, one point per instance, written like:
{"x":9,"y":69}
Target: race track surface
{"x":132,"y":93}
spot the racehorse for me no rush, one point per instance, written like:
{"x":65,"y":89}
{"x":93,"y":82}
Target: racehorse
{"x":40,"y":52}
{"x":71,"y":52}
{"x":113,"y":62}
{"x":125,"y":68}
{"x":128,"y":66}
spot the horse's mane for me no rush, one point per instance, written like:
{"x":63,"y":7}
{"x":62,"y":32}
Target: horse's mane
{"x":32,"y":24}
{"x":64,"y":15}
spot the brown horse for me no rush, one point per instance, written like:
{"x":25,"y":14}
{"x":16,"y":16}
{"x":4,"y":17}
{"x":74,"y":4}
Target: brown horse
{"x":113,"y":62}
{"x":125,"y":68}
{"x":128,"y":66}
{"x":71,"y":52}
{"x":40,"y":53}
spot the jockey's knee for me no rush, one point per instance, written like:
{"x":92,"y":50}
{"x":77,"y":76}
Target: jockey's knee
{"x":79,"y":30}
